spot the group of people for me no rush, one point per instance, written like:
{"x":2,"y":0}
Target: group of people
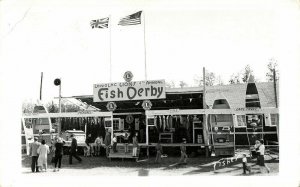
{"x":39,"y":153}
{"x":260,"y":152}
{"x":93,"y":148}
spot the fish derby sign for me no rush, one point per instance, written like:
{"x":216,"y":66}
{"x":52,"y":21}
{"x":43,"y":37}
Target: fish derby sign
{"x":139,"y":90}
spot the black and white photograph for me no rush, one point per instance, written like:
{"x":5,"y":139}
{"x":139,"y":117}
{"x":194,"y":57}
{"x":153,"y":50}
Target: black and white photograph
{"x":149,"y":93}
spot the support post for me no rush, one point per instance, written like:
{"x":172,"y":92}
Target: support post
{"x":59,"y":103}
{"x":205,"y":128}
{"x":147,"y":131}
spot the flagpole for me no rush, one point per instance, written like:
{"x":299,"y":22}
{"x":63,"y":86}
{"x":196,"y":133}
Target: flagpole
{"x":41,"y":86}
{"x":110,"y":69}
{"x":145,"y":45}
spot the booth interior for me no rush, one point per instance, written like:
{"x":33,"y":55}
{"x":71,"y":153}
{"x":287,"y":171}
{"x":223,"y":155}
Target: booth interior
{"x":170,"y":128}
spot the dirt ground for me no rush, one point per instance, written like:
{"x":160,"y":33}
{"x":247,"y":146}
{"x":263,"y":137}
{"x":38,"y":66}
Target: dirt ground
{"x":94,"y":166}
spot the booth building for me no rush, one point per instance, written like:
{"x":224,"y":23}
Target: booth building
{"x":232,"y":116}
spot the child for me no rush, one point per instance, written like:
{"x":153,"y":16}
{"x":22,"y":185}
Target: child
{"x":245,"y":167}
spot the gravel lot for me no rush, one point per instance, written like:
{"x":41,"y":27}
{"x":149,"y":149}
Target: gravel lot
{"x":93,"y":166}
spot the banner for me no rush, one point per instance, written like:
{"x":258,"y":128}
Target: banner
{"x":140,"y":90}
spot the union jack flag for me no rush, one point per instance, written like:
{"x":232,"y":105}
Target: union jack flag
{"x":100,"y":23}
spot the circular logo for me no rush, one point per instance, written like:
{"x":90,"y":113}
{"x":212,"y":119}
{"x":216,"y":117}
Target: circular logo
{"x":128,"y":76}
{"x":129,"y":119}
{"x":111,"y":106}
{"x":147,"y":105}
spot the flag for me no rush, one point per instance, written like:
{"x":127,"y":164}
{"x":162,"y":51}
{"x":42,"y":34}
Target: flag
{"x":133,"y":19}
{"x":100,"y":23}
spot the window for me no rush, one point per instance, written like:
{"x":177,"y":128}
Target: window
{"x":274,"y":119}
{"x":241,"y":121}
{"x":107,"y":122}
{"x":151,"y":121}
{"x":116,"y":123}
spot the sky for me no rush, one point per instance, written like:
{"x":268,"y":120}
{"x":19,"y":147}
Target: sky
{"x":180,"y":38}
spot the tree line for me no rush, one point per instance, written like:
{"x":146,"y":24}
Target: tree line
{"x":212,"y":79}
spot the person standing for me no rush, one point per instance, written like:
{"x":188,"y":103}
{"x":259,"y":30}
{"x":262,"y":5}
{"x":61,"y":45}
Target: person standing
{"x":107,"y":142}
{"x":183,"y":152}
{"x":256,"y":149}
{"x":262,"y":156}
{"x":89,"y":142}
{"x":114,"y":143}
{"x":58,"y":153}
{"x":158,"y":152}
{"x":135,"y":145}
{"x":245,"y":166}
{"x":43,"y":151}
{"x":73,"y":150}
{"x":126,"y":142}
{"x":34,"y":155}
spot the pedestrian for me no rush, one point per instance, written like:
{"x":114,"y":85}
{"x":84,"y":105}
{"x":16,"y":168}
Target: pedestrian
{"x":73,"y":150}
{"x":58,"y":153}
{"x":114,"y":143}
{"x":183,"y":158}
{"x":107,"y":143}
{"x":43,"y":151}
{"x":262,"y":156}
{"x":98,"y":144}
{"x":245,"y":166}
{"x":34,"y":155}
{"x":135,"y":145}
{"x":158,"y":152}
{"x":126,"y":142}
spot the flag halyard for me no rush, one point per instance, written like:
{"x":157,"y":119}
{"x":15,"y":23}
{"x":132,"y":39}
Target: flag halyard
{"x":100,"y":23}
{"x":133,"y":19}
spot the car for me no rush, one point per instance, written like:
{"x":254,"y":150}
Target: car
{"x":79,"y":135}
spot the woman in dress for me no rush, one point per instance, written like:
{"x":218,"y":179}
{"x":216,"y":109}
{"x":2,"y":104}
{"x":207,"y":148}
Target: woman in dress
{"x":43,"y":151}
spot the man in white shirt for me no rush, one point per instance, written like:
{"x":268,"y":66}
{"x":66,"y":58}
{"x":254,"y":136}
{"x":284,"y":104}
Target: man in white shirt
{"x":261,"y":156}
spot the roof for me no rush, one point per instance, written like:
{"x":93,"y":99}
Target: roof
{"x":236,"y":94}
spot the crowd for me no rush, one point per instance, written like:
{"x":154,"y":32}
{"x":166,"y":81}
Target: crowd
{"x":39,"y":151}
